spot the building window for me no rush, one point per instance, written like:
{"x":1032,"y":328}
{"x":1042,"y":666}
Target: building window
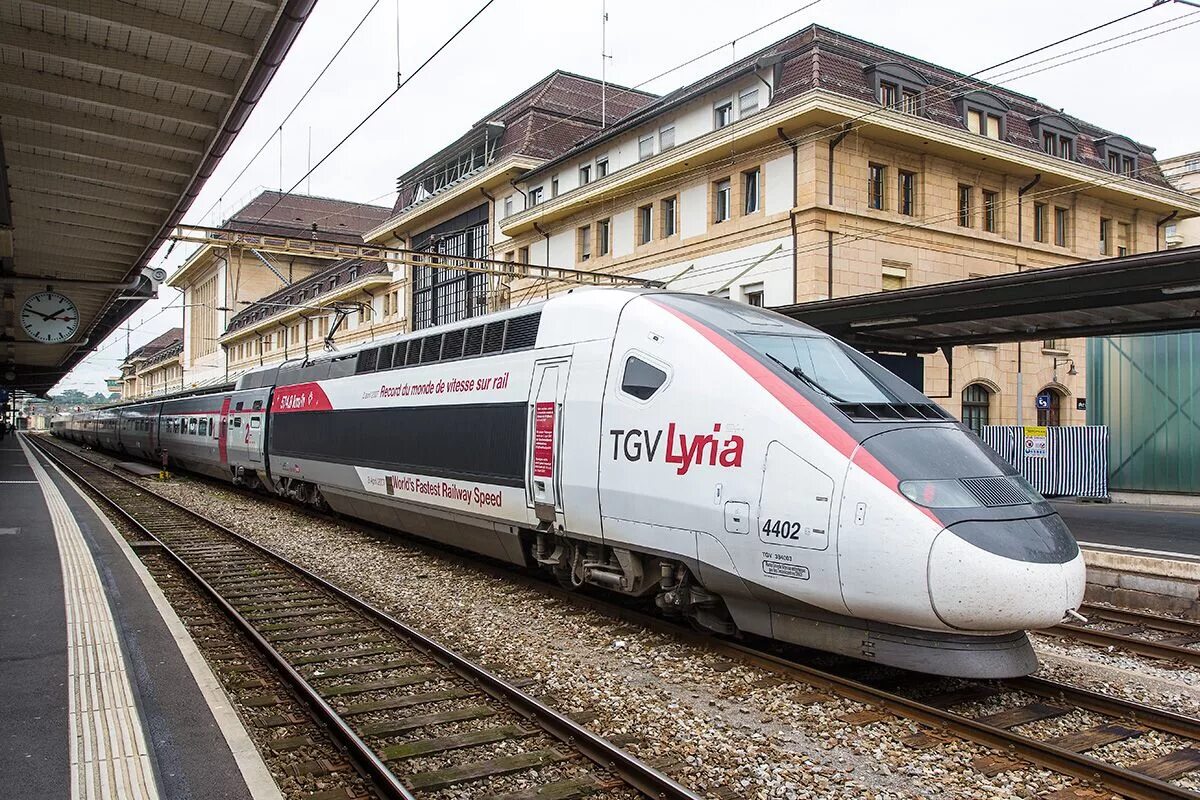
{"x":983,"y":123}
{"x":670,"y":217}
{"x":911,"y":101}
{"x":1114,"y":163}
{"x":645,"y":224}
{"x":747,"y":102}
{"x":1039,"y":222}
{"x":1124,"y":239}
{"x":1066,"y":148}
{"x":645,"y":147}
{"x":1049,"y":142}
{"x":554,"y":186}
{"x":908,"y":193}
{"x":1061,"y":220}
{"x":976,"y":407}
{"x":601,"y":167}
{"x":508,"y":205}
{"x":876,"y":176}
{"x":722,"y":200}
{"x":1128,"y":166}
{"x":603,"y":237}
{"x":584,"y":235}
{"x":535,"y":196}
{"x":894,"y":275}
{"x":750,"y":188}
{"x":889,"y":94}
{"x":442,"y":294}
{"x":523,"y":255}
{"x":666,"y":138}
{"x":1105,"y":235}
{"x":966,"y":214}
{"x":585,"y":174}
{"x":991,"y":207}
{"x":753,"y":295}
{"x":1050,"y":408}
{"x":722,"y":115}
{"x":510,"y":256}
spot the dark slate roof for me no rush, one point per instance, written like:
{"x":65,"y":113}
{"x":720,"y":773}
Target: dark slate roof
{"x":164,"y":340}
{"x":315,"y":286}
{"x":818,"y":57}
{"x":542,"y":121}
{"x":295,"y":215}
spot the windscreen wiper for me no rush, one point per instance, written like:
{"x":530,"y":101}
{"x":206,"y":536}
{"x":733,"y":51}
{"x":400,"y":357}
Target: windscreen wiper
{"x":802,"y":375}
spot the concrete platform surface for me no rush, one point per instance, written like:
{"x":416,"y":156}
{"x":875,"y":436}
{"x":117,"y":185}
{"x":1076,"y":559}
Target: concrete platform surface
{"x":104,"y":693}
{"x":1150,"y":528}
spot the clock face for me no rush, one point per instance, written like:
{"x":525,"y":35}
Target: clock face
{"x":50,"y":317}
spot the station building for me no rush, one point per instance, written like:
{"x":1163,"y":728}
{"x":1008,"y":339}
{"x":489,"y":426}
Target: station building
{"x":446,"y":204}
{"x":216,"y":283}
{"x":154,"y":368}
{"x":821,"y":166}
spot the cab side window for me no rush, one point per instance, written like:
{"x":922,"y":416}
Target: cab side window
{"x":641,"y":380}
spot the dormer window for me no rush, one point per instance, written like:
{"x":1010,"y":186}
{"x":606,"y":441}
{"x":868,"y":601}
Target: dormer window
{"x":1120,"y":154}
{"x":897,"y":86}
{"x":983,"y":113}
{"x":1057,"y":135}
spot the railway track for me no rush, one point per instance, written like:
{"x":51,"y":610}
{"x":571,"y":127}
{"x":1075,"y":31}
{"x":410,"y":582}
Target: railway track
{"x":1137,"y":632}
{"x":952,"y":707}
{"x":418,"y":719}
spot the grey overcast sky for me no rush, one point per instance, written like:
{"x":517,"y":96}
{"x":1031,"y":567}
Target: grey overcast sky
{"x":1146,"y":90}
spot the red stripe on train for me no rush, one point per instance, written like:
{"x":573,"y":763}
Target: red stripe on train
{"x":299,"y":397}
{"x":800,"y":406}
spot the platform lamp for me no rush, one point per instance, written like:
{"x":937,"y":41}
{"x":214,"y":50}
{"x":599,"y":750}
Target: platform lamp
{"x":1070,"y":370}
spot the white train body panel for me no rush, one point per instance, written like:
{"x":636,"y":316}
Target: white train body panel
{"x":613,"y":435}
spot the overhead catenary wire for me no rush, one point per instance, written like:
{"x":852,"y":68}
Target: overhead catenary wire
{"x":399,"y":87}
{"x":292,"y":111}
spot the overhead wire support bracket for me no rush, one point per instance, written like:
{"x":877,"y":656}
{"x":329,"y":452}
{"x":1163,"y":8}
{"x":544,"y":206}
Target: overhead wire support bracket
{"x":395,"y":256}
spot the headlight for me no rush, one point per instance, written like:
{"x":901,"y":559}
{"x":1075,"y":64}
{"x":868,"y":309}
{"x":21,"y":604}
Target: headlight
{"x":939,"y":494}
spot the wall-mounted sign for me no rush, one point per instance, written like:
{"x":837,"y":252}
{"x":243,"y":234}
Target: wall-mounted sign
{"x":1043,"y":400}
{"x":1081,"y":404}
{"x":50,"y":317}
{"x":1036,"y":445}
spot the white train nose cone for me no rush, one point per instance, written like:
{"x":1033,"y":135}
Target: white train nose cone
{"x":978,"y":587}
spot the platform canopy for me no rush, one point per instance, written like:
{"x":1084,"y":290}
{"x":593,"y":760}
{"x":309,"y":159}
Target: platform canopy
{"x":113,"y":113}
{"x":1150,"y":293}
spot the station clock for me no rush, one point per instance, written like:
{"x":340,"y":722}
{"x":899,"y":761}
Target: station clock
{"x":50,"y":317}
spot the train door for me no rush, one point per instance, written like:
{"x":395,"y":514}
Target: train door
{"x":223,"y":432}
{"x":254,"y":431}
{"x":543,"y":478}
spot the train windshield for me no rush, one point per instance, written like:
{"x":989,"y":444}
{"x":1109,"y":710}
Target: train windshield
{"x":823,"y":365}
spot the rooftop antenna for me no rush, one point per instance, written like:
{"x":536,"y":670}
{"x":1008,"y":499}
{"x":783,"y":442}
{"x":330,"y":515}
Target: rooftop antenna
{"x":604,"y":57}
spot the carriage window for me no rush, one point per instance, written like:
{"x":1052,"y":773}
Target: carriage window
{"x":237,"y":422}
{"x":239,"y":406}
{"x":641,"y":380}
{"x":192,"y":423}
{"x":204,"y":427}
{"x":255,"y":422}
{"x":257,"y":405}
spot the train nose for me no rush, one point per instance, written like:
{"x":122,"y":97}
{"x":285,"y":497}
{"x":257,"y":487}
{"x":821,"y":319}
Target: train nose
{"x":998,"y":575}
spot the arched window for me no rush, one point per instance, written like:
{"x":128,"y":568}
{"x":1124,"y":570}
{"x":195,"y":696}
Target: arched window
{"x":976,"y":405}
{"x":1049,"y":406}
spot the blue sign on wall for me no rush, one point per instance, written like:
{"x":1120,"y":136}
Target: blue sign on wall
{"x":1043,"y":400}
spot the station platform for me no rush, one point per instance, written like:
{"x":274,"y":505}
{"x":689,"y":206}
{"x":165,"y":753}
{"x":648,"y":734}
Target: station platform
{"x":104,"y":694}
{"x":1153,"y":530}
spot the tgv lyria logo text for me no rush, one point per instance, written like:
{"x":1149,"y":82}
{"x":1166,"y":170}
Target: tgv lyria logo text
{"x":684,"y":450}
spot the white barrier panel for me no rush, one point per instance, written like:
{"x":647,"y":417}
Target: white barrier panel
{"x":1070,"y":461}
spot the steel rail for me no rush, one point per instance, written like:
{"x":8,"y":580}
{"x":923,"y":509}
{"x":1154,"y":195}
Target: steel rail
{"x":636,"y":773}
{"x":1146,"y":647}
{"x":357,"y":748}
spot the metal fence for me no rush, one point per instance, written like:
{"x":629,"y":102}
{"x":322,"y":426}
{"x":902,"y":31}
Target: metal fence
{"x":1060,"y":461}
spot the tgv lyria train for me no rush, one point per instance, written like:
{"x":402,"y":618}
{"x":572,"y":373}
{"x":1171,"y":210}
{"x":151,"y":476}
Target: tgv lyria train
{"x":744,"y":470}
